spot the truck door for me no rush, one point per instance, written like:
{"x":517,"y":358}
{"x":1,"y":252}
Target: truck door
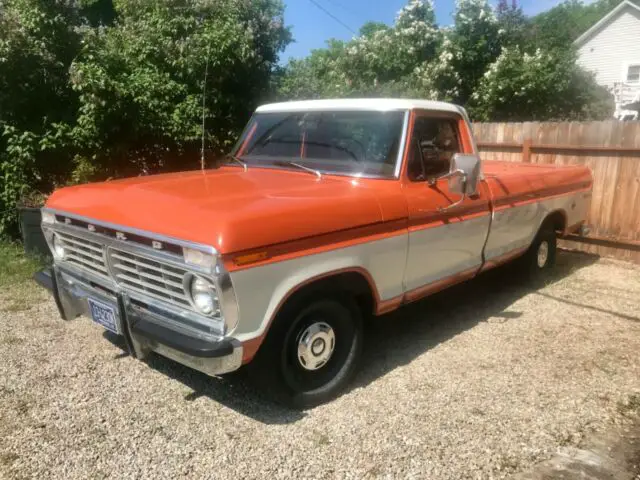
{"x":446,"y":239}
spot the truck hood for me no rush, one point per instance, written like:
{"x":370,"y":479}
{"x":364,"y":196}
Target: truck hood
{"x":228,"y":208}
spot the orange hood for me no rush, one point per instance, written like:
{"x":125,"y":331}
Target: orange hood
{"x":227,"y":208}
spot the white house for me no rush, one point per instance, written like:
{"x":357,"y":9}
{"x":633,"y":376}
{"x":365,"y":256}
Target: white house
{"x":611,"y":49}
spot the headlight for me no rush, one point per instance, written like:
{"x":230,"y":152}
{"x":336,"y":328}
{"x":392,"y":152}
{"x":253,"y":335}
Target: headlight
{"x":204,"y":296}
{"x":58,"y":248}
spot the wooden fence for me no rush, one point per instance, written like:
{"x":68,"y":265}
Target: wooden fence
{"x":611,"y":149}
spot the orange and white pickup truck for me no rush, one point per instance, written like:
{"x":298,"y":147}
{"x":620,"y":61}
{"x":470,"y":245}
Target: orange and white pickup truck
{"x":325,"y":213}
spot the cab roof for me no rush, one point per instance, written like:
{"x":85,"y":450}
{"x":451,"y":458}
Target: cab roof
{"x":374,"y":104}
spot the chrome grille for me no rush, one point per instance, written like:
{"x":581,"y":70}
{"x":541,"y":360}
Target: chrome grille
{"x":153,"y":278}
{"x":83,"y":253}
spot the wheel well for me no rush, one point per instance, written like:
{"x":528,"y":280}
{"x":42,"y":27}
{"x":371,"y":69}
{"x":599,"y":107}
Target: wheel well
{"x":354,"y":283}
{"x":557,"y":219}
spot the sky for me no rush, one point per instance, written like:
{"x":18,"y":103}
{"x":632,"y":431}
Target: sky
{"x":312,"y":27}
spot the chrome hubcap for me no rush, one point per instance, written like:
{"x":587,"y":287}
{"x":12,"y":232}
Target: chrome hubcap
{"x":543,"y":254}
{"x":315,"y":346}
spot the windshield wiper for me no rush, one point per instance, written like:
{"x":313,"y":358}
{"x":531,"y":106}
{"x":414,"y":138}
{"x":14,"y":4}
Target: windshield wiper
{"x":237,"y":160}
{"x":301,"y":167}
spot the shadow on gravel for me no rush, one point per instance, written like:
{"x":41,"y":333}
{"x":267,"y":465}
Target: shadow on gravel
{"x":397,"y":338}
{"x":234,"y":390}
{"x":623,"y":316}
{"x":392,"y":340}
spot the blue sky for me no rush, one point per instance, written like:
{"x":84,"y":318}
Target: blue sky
{"x":312,"y":27}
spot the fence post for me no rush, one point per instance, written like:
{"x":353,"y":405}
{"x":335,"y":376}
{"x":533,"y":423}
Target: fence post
{"x":526,"y":150}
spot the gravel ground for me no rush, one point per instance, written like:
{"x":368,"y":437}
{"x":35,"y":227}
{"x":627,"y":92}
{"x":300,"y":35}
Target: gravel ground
{"x":481,"y":381}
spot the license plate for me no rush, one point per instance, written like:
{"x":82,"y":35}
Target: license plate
{"x":104,"y":314}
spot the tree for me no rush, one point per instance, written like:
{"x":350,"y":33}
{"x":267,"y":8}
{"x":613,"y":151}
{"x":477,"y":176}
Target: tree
{"x":97,"y":88}
{"x":512,"y":24}
{"x":141,"y":80}
{"x":38,"y":41}
{"x":560,"y":26}
{"x":474,"y":43}
{"x":486,"y":61}
{"x":548,"y":85}
{"x":369,"y":29}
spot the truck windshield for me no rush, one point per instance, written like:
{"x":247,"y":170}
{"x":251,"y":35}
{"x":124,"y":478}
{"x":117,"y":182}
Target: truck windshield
{"x":341,"y":142}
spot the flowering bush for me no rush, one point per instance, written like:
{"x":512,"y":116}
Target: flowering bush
{"x":485,"y":61}
{"x":539,"y":85}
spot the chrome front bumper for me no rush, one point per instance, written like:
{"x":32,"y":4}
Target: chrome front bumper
{"x":141,"y":326}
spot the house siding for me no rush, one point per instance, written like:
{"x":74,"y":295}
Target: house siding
{"x":609,"y":51}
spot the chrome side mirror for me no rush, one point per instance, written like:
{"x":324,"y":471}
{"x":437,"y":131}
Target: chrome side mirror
{"x":465,"y":174}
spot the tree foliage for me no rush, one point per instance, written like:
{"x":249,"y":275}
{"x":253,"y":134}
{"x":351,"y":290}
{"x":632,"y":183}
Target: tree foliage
{"x":493,"y":61}
{"x":560,"y":26}
{"x":519,"y":85}
{"x":91,"y":89}
{"x":99,"y":88}
{"x":140,"y":82}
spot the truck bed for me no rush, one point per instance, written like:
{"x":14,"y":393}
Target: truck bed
{"x":512,"y":182}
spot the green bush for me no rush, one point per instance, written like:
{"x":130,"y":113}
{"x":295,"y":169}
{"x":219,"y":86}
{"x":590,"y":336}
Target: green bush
{"x":93,"y":89}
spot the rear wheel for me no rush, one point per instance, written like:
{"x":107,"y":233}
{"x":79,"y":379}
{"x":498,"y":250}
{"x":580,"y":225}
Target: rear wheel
{"x":540,"y":259}
{"x":311,"y":351}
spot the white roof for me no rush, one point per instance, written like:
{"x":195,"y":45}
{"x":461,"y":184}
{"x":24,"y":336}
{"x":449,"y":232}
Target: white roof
{"x":605,"y":20}
{"x":376,"y":104}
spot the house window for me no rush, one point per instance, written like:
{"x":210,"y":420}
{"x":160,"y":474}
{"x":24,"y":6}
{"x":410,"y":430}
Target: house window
{"x":633,"y":74}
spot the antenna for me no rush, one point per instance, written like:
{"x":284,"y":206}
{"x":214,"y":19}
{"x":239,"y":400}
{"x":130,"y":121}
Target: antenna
{"x":204,"y":98}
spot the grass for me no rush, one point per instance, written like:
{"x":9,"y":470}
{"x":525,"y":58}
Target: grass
{"x":16,"y":267}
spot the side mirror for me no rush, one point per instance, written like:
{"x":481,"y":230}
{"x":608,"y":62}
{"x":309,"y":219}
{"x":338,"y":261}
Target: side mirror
{"x":465,"y":174}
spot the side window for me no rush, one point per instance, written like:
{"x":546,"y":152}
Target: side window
{"x":633,"y":74}
{"x":433,"y":144}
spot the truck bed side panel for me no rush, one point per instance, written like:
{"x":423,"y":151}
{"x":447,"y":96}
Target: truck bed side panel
{"x":524,"y":195}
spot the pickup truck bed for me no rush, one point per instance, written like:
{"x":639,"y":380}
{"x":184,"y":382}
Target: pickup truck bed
{"x":513,"y":182}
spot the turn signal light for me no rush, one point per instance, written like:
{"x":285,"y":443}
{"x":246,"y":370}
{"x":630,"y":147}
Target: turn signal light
{"x":250,"y":258}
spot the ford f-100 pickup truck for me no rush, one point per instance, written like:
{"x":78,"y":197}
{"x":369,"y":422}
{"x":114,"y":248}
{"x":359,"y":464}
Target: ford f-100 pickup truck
{"x":325,"y":213}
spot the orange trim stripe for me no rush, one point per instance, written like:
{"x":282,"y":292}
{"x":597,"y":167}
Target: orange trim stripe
{"x":439,"y":285}
{"x":459,"y":214}
{"x":540,"y":195}
{"x":501,"y":259}
{"x":321,"y":243}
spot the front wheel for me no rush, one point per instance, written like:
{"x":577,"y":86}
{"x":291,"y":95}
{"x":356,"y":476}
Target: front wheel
{"x":311,"y":351}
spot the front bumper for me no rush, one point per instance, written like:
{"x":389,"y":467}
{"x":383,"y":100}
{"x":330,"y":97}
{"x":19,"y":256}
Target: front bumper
{"x":142,"y":328}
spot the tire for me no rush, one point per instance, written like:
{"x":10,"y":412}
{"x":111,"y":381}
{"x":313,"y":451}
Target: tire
{"x":279,"y":365}
{"x":540,"y":258}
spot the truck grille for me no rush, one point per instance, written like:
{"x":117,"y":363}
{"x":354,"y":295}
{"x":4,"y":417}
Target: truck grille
{"x":84,"y":253}
{"x":153,"y":278}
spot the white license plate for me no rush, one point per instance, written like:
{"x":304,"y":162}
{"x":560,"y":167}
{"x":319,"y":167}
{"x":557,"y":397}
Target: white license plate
{"x":104,"y":314}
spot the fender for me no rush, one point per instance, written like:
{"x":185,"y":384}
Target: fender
{"x":262,"y":290}
{"x":250,"y":347}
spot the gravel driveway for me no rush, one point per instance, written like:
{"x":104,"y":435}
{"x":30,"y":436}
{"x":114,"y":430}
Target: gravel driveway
{"x":481,"y":381}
